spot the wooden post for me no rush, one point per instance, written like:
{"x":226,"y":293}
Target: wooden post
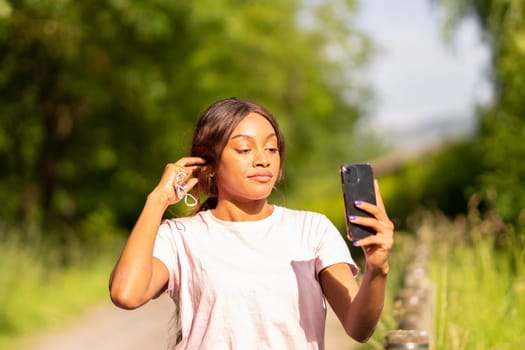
{"x":413,"y":304}
{"x":406,"y":339}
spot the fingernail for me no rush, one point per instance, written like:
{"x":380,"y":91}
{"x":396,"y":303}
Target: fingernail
{"x":358,"y":202}
{"x":355,"y":243}
{"x":351,"y":218}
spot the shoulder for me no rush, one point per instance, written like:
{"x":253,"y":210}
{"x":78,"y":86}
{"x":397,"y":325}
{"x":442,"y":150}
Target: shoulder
{"x":183,"y":224}
{"x":302,"y":214}
{"x":303,"y":217}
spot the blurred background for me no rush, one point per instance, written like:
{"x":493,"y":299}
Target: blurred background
{"x":96,"y":97}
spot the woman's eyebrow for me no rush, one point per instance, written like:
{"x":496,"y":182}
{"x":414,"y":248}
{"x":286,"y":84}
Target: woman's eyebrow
{"x":251,"y":137}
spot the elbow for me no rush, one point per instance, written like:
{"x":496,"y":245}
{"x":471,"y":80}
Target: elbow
{"x":361,"y":340}
{"x":124,"y":299}
{"x":360,"y":336}
{"x":124,"y":295}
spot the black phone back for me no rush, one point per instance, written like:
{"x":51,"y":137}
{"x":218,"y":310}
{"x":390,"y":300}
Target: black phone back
{"x":358,"y":184}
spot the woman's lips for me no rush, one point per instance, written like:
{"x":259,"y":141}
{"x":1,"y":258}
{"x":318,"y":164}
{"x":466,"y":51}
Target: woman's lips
{"x":261,"y":176}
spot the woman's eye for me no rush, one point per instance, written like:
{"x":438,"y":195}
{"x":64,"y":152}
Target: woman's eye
{"x":273,"y":149}
{"x":243,"y":150}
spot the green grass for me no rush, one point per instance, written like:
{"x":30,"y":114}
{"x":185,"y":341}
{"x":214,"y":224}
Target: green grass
{"x":476,"y":268}
{"x":40,"y":289}
{"x":480,"y":285}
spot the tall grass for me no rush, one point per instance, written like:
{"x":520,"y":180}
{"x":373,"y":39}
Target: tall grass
{"x":477,"y":269}
{"x":43,"y":286}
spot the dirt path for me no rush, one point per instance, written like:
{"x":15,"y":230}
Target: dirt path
{"x":110,"y":328}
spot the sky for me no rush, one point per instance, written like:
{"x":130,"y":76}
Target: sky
{"x":425,"y":87}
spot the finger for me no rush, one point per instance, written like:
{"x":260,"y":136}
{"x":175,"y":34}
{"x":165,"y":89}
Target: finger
{"x":190,"y":162}
{"x":383,"y":241}
{"x":172,"y":169}
{"x":370,"y":245}
{"x":379,"y":198}
{"x":377,"y":211}
{"x":384,"y":226}
{"x":191,"y":184}
{"x":372,"y":223}
{"x":370,"y":208}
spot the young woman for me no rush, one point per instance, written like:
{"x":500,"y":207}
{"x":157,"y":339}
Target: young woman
{"x":246,"y":274}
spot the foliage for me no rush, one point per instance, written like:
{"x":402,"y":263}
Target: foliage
{"x":490,"y":165}
{"x":503,"y":123}
{"x":443,"y":179}
{"x":40,"y":291}
{"x":96,"y":97}
{"x":479,"y":288}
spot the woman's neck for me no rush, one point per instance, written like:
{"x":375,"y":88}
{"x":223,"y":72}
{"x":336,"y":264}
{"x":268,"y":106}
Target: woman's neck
{"x":251,"y":211}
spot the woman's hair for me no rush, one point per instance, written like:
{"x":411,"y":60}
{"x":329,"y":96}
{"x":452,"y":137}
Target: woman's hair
{"x":211,"y":135}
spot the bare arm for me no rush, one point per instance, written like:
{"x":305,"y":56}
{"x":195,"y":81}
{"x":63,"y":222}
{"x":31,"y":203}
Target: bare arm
{"x":359,"y":307}
{"x":137,"y":276}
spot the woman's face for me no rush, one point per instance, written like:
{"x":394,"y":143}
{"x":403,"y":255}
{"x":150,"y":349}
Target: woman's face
{"x":250,"y":162}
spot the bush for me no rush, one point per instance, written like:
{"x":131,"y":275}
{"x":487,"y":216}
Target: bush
{"x":45,"y":284}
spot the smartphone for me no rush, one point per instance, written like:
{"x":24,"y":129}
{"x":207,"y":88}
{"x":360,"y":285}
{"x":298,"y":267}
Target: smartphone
{"x":358,"y":184}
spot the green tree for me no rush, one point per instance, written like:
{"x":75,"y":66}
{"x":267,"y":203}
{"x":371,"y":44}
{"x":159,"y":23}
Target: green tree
{"x":502,"y":125}
{"x":95,"y":97}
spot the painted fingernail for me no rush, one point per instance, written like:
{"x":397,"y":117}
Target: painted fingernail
{"x":355,"y":243}
{"x":351,"y":218}
{"x":358,"y":202}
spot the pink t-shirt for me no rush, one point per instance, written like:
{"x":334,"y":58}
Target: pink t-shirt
{"x":250,"y":285}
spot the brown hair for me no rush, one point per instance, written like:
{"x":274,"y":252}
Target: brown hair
{"x":211,"y":135}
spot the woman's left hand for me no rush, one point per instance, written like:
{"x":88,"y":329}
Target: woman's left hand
{"x":376,"y":247}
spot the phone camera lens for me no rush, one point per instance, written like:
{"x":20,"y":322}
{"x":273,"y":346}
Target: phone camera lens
{"x":351,"y":174}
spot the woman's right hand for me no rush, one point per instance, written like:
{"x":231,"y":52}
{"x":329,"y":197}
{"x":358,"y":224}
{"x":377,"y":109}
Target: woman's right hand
{"x":177,"y":175}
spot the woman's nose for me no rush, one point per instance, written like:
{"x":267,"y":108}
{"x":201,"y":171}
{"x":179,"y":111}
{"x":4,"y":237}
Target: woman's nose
{"x":261,"y":159}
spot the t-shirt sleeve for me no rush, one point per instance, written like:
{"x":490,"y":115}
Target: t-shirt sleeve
{"x":332,"y":248}
{"x":165,"y":249}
